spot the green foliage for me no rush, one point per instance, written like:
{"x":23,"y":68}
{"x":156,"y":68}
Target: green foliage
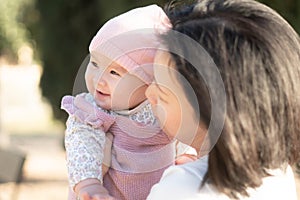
{"x":13,"y":34}
{"x":289,"y":9}
{"x":62,"y":30}
{"x":116,"y":7}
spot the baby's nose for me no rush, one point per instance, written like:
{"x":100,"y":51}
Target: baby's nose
{"x":99,"y":80}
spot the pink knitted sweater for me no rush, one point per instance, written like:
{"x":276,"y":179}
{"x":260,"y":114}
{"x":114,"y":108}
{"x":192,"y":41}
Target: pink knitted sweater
{"x":140,"y":153}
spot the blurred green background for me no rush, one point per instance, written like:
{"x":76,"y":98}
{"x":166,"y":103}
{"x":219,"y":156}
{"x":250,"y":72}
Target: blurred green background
{"x":59,"y":33}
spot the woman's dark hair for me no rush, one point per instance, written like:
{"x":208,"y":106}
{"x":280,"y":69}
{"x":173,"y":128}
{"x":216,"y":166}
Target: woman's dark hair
{"x":258,"y":56}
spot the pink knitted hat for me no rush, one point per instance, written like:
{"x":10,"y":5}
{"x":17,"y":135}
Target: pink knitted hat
{"x":131,"y":39}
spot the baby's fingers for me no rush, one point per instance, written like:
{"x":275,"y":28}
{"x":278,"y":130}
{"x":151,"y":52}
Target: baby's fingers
{"x":105,"y":197}
{"x":85,"y":196}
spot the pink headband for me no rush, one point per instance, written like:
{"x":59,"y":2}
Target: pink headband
{"x":131,"y":39}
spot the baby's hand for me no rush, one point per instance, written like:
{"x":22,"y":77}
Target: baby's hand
{"x":91,"y":189}
{"x":185,"y":158}
{"x":85,"y":196}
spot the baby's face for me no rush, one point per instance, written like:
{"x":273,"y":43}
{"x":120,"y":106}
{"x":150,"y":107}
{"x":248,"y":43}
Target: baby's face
{"x":112,"y":86}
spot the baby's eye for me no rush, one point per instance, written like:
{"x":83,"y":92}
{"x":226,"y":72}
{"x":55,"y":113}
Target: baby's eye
{"x":113,"y":72}
{"x":94,"y":64}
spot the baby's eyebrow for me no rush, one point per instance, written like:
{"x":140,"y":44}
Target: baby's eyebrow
{"x":100,"y":59}
{"x":118,"y":67}
{"x":108,"y":62}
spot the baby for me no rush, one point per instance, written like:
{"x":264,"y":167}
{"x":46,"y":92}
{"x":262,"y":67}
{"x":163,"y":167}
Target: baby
{"x":113,"y":126}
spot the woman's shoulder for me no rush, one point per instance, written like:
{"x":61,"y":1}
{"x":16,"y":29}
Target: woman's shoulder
{"x":281,"y":183}
{"x":180,"y":181}
{"x":196,"y":169}
{"x":185,"y":182}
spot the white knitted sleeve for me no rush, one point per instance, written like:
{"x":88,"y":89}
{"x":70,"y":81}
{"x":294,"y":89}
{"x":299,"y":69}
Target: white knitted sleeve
{"x":84,"y":149}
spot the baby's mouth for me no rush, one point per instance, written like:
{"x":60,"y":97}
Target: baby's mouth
{"x":101,"y":93}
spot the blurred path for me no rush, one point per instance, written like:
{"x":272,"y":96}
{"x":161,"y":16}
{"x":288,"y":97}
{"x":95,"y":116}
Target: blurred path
{"x":44,"y":174}
{"x":44,"y":170}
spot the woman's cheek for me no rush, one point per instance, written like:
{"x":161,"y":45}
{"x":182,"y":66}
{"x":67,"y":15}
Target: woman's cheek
{"x":170,"y":120}
{"x":159,"y":113}
{"x":151,"y":94}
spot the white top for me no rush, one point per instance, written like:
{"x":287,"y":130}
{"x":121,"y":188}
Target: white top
{"x":184,"y":181}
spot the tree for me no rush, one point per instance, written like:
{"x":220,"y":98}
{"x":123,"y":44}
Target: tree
{"x":62,"y":30}
{"x":289,"y":9}
{"x":13,"y":34}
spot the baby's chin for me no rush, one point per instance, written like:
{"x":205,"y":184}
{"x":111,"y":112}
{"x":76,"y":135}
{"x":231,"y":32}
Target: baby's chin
{"x":109,"y":106}
{"x":103,"y":105}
